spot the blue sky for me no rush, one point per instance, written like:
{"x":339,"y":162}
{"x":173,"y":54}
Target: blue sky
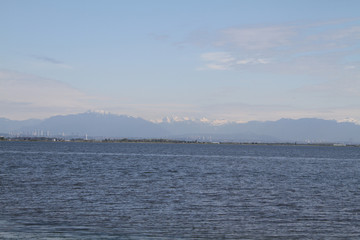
{"x":219,"y":60}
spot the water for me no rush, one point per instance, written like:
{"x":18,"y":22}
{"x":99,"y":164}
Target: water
{"x":178,"y":191}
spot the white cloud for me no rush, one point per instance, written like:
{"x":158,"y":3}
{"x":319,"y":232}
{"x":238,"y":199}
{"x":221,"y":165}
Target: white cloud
{"x":221,"y":57}
{"x":216,"y":67}
{"x":226,"y":61}
{"x":218,"y":60}
{"x":253,"y":61}
{"x":319,"y":49}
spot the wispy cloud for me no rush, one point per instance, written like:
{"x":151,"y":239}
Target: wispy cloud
{"x":227,"y":61}
{"x":24,"y":94}
{"x":253,"y":61}
{"x":50,"y":60}
{"x":221,"y":57}
{"x":257,"y":38}
{"x":284,"y":45}
{"x":324,"y":54}
{"x":218,"y":60}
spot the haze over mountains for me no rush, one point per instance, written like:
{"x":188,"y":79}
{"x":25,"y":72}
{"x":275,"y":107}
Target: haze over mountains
{"x":97,"y":125}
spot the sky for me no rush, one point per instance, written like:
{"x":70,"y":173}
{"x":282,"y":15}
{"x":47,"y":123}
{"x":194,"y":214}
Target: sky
{"x":205,"y":59}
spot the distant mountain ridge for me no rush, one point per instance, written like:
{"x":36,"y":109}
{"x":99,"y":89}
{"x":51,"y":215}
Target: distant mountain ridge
{"x":7,"y":125}
{"x":98,"y":125}
{"x":106,"y":125}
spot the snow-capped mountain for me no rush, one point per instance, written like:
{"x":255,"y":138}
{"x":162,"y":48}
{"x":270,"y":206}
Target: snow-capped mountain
{"x":107,"y":125}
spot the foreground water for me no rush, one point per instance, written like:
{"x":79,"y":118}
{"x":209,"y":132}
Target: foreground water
{"x":178,"y":191}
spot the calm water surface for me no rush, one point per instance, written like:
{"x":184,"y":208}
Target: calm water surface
{"x":178,"y":191}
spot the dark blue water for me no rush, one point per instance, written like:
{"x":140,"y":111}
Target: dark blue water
{"x":178,"y":191}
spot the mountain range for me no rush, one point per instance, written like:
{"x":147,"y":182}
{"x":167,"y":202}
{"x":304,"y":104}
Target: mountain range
{"x":100,"y":126}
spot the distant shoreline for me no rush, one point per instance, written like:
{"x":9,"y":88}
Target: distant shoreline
{"x":169,"y":141}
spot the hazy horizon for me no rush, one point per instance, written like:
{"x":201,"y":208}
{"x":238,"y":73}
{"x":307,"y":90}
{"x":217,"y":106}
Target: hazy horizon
{"x":220,"y":60}
{"x":170,"y":119}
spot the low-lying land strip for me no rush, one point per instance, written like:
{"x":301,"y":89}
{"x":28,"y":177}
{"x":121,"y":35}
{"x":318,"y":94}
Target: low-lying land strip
{"x":174,"y":141}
